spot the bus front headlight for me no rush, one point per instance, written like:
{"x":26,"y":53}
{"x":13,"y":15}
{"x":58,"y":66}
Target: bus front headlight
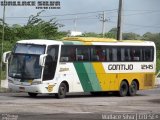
{"x":36,"y":82}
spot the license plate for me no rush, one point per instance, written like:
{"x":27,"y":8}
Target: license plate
{"x":21,"y":89}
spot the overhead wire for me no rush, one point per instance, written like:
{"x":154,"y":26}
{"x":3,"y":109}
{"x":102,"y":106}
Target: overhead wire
{"x":95,"y":17}
{"x":70,"y":14}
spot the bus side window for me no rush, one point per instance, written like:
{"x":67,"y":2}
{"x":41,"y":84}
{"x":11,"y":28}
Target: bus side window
{"x":119,"y":57}
{"x":72,"y":53}
{"x":82,"y":53}
{"x":122,"y":54}
{"x":127,"y":54}
{"x":114,"y":54}
{"x":97,"y":53}
{"x":68,"y":54}
{"x":135,"y":55}
{"x":64,"y":57}
{"x":108,"y":55}
{"x":51,"y":62}
{"x":148,"y":53}
{"x":53,"y":52}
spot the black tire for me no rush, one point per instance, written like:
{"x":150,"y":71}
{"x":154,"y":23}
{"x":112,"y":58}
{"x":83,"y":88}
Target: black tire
{"x":32,"y":94}
{"x":61,"y":91}
{"x":133,"y":88}
{"x":123,"y":89}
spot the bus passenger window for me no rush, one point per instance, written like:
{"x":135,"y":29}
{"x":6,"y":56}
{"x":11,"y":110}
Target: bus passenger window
{"x":80,"y":58}
{"x":109,"y":54}
{"x":122,"y":54}
{"x":148,"y":54}
{"x":82,"y":53}
{"x":136,"y":54}
{"x":114,"y":54}
{"x":68,"y":54}
{"x":119,"y":55}
{"x":127,"y":54}
{"x":97,"y":53}
{"x":72,"y":55}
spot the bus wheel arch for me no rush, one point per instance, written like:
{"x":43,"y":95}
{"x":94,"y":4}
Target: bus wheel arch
{"x":137,"y":83}
{"x":124,"y":87}
{"x":67,"y":85}
{"x":134,"y":86}
{"x":62,"y":90}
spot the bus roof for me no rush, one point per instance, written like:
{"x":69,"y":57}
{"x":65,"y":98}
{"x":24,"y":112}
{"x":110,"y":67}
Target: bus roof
{"x":89,"y":39}
{"x":94,"y":39}
{"x":86,"y":41}
{"x":40,"y":42}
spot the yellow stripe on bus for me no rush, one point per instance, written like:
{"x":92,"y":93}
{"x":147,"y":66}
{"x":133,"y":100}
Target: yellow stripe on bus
{"x":101,"y":75}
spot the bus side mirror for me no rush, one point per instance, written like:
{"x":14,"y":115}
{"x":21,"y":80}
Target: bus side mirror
{"x":6,"y":56}
{"x":42,"y":60}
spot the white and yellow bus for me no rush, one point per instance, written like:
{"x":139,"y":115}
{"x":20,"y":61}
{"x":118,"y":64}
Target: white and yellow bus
{"x":81,"y":64}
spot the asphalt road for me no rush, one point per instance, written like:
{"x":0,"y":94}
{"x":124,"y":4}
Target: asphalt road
{"x":19,"y":106}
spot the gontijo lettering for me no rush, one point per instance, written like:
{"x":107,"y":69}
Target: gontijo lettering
{"x":120,"y":67}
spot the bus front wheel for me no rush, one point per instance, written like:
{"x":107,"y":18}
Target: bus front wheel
{"x":32,"y":94}
{"x":62,"y":91}
{"x":133,"y":88}
{"x":123,"y":89}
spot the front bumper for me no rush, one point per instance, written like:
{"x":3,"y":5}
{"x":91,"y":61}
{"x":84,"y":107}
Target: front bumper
{"x":41,"y":88}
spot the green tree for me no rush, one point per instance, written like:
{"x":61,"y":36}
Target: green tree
{"x":112,"y":33}
{"x":131,"y":36}
{"x":38,"y":28}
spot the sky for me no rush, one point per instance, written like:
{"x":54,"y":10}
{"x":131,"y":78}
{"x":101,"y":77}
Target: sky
{"x":139,"y":16}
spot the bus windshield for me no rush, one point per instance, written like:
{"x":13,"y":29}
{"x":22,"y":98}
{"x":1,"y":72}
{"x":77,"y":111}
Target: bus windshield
{"x":25,"y":66}
{"x":29,"y":49}
{"x":24,"y":62}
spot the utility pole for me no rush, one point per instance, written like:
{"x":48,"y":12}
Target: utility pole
{"x":75,"y":23}
{"x":103,"y":19}
{"x":103,"y":24}
{"x":119,"y":23}
{"x":2,"y":39}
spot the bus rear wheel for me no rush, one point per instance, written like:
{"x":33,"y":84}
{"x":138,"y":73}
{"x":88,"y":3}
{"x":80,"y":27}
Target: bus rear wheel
{"x":32,"y":94}
{"x":62,"y":91}
{"x":133,"y":88}
{"x":123,"y":89}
